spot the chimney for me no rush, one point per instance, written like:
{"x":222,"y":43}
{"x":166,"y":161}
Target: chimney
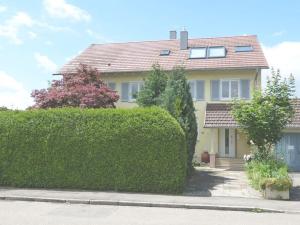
{"x":183,"y":40}
{"x":173,"y":35}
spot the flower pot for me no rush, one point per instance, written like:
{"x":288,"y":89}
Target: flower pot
{"x":205,"y":157}
{"x":270,"y":193}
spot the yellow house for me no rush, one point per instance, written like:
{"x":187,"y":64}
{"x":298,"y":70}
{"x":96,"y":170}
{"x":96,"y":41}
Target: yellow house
{"x":219,"y":70}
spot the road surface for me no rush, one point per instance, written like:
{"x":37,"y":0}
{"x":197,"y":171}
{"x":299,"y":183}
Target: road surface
{"x":41,"y":213}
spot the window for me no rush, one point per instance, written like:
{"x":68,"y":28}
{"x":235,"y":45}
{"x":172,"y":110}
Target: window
{"x":198,"y":53}
{"x":197,"y":89}
{"x":165,"y":52}
{"x":244,"y":48}
{"x":226,"y":141}
{"x":130,"y":90}
{"x":111,"y":85}
{"x":229,"y":89}
{"x":216,"y":52}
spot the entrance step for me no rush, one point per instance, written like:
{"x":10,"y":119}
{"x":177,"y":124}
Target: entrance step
{"x":230,"y":163}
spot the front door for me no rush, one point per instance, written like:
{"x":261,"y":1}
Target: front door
{"x":227,"y":142}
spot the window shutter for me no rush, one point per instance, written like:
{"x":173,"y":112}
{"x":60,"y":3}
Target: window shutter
{"x":215,"y":89}
{"x":245,"y":89}
{"x":192,"y":89}
{"x":112,"y":86}
{"x":200,"y":89}
{"x":124,"y":92}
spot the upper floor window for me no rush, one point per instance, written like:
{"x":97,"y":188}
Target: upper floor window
{"x":230,"y":89}
{"x":129,"y":91}
{"x":198,"y":53}
{"x":111,"y":85}
{"x":197,"y":89}
{"x":243,"y":48}
{"x":218,"y":51}
{"x":208,"y":52}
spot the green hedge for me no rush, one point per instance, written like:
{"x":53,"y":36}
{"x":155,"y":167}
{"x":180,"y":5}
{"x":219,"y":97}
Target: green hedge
{"x":139,"y":150}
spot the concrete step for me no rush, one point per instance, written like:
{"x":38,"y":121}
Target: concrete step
{"x":230,"y":163}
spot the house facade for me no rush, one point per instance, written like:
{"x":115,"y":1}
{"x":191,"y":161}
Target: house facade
{"x":218,"y":70}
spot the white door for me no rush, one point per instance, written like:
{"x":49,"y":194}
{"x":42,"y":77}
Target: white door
{"x":227,"y":143}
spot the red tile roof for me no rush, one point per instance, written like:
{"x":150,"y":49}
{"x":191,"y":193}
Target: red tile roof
{"x":140,"y":56}
{"x":218,"y":115}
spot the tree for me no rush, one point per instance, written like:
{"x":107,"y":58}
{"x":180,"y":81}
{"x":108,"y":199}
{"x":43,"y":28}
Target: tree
{"x":4,"y":108}
{"x":154,"y":86}
{"x":81,"y":89}
{"x":178,"y":101}
{"x":267,"y":114}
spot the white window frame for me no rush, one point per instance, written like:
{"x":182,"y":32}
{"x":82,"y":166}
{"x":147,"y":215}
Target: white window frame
{"x":221,"y":89}
{"x":130,"y":83}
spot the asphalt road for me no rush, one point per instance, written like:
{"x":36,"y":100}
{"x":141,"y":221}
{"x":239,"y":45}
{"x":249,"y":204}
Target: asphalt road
{"x":39,"y":213}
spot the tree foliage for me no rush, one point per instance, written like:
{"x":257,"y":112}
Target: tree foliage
{"x":178,"y":101}
{"x":154,"y":86}
{"x":267,"y":114}
{"x":85,"y":88}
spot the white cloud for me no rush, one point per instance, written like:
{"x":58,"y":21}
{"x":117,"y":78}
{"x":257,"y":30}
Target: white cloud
{"x":62,"y":9}
{"x":32,"y":35}
{"x":286,"y":57}
{"x":11,"y":27}
{"x":45,"y":63}
{"x":97,"y":36}
{"x":278,"y":33}
{"x":2,"y":8}
{"x":12,"y":93}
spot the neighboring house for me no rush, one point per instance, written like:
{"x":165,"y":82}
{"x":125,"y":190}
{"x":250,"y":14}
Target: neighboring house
{"x":219,"y":70}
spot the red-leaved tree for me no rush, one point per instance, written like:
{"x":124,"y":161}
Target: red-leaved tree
{"x":85,"y":88}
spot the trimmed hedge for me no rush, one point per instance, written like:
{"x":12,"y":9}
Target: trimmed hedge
{"x":137,"y":149}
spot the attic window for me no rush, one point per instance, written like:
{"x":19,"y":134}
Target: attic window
{"x":198,"y":53}
{"x":216,"y":51}
{"x":165,"y":52}
{"x":244,"y":48}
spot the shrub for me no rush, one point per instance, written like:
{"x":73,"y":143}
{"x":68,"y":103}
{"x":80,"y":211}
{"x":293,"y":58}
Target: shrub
{"x":154,"y":86}
{"x":102,"y":149}
{"x":178,"y":101}
{"x":268,"y":173}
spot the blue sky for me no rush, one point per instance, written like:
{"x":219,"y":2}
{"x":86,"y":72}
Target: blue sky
{"x":37,"y":37}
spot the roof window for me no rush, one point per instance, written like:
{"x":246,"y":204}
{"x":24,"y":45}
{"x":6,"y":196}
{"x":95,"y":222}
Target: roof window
{"x":165,"y":52}
{"x":244,"y":48}
{"x":216,"y":51}
{"x":198,"y":53}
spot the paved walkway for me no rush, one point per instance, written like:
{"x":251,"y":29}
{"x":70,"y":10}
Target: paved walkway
{"x":149,"y":200}
{"x":220,"y":182}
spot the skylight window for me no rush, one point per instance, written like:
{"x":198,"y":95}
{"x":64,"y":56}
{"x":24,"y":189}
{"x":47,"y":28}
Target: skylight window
{"x":198,"y":53}
{"x":218,"y":51}
{"x":164,"y":52}
{"x":244,"y":48}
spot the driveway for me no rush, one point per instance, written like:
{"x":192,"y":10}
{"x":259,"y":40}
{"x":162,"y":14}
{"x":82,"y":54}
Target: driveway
{"x":220,"y":182}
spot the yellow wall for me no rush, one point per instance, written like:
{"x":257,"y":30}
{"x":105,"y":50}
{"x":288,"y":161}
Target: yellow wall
{"x":205,"y":138}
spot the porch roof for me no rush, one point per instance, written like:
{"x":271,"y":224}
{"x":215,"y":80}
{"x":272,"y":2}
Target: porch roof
{"x":218,"y":115}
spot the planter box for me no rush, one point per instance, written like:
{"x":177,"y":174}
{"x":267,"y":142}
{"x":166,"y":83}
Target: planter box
{"x":274,"y":194}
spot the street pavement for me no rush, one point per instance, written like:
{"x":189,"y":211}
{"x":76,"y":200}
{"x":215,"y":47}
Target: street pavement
{"x":41,"y":213}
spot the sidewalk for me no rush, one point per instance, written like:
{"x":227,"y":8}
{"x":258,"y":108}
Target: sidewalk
{"x":150,"y":200}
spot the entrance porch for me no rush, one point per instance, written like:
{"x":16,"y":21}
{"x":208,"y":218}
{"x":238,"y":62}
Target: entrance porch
{"x":227,"y":145}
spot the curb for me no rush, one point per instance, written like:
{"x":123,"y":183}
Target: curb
{"x":146,"y":204}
